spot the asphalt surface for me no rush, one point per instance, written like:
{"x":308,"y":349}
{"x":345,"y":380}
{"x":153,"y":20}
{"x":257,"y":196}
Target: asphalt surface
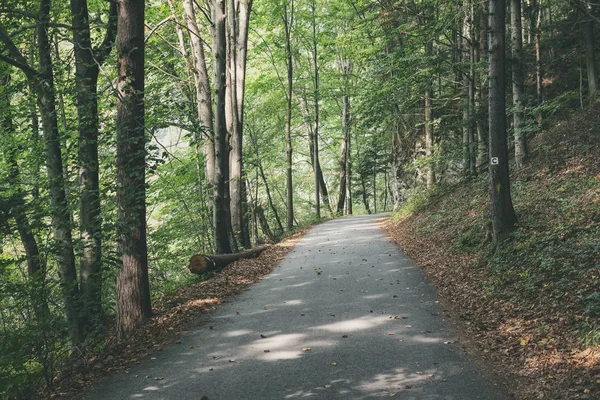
{"x":345,"y":316}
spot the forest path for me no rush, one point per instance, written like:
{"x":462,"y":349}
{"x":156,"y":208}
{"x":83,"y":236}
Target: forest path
{"x":345,"y":316}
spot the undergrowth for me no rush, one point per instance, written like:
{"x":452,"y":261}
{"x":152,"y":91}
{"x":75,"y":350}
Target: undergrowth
{"x":550,"y":267}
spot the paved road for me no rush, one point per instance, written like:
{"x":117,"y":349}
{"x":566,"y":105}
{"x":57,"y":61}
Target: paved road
{"x":345,"y":316}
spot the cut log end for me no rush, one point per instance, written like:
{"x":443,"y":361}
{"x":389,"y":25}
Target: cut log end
{"x":199,"y":263}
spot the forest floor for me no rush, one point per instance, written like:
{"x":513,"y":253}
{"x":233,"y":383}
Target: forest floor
{"x":173,"y":316}
{"x":531,"y":307}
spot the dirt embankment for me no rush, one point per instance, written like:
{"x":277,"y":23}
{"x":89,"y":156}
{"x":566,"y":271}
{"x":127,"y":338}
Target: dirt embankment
{"x":531,"y":308}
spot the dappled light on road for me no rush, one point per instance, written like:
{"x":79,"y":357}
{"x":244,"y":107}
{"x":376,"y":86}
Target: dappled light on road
{"x":351,"y":320}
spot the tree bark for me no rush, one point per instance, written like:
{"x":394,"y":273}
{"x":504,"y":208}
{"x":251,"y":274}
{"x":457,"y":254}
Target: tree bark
{"x":480,"y":90}
{"x":364,"y":194}
{"x":221,"y":200}
{"x":61,"y":217}
{"x":239,"y":18}
{"x":538,"y":65}
{"x":133,"y":289}
{"x":87,"y":67}
{"x":504,"y":219}
{"x":288,"y":22}
{"x":518,"y":86}
{"x":429,"y":122}
{"x":203,"y":92}
{"x":344,"y":154}
{"x":468,"y":132}
{"x":316,"y":165}
{"x":590,"y":55}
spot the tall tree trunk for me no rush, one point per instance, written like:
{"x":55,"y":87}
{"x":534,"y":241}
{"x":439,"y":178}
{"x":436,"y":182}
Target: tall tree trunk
{"x":221,"y":174}
{"x":203,"y":93}
{"x":429,"y":122}
{"x":344,"y":154}
{"x":349,"y":173}
{"x":538,"y":65}
{"x":518,"y":86}
{"x":87,"y":62}
{"x":316,"y":165}
{"x":472,"y":125}
{"x":504,"y":219}
{"x":467,"y":128}
{"x":288,"y":22}
{"x":235,"y":134}
{"x":61,"y":217}
{"x":244,"y":11}
{"x":364,"y":194}
{"x":133,"y":288}
{"x":590,"y":54}
{"x":480,"y":90}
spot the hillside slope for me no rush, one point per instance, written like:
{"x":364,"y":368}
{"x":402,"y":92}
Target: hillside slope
{"x":530,"y":309}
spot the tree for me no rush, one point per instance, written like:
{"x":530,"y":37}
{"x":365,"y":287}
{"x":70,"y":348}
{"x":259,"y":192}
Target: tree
{"x":42,"y":80}
{"x":590,"y":54}
{"x":288,"y":23}
{"x":239,"y":19}
{"x":88,"y":60}
{"x":504,"y":219}
{"x":133,"y":287}
{"x":221,"y":217}
{"x":518,"y":84}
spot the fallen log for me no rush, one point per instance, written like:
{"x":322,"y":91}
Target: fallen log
{"x":201,"y":263}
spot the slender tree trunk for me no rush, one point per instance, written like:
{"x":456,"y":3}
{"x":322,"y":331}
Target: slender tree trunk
{"x":504,"y":219}
{"x":429,"y":123}
{"x":244,"y":10}
{"x":87,"y":61}
{"x":518,"y":86}
{"x":316,"y":165}
{"x":133,"y":288}
{"x":538,"y":65}
{"x":203,"y":93}
{"x":364,"y":194}
{"x":220,"y":190}
{"x":480,"y":90}
{"x":61,"y":217}
{"x":375,"y":190}
{"x":590,"y":55}
{"x":235,"y":154}
{"x":349,"y":173}
{"x":344,"y":154}
{"x":467,"y":128}
{"x":472,"y":125}
{"x":288,"y":22}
